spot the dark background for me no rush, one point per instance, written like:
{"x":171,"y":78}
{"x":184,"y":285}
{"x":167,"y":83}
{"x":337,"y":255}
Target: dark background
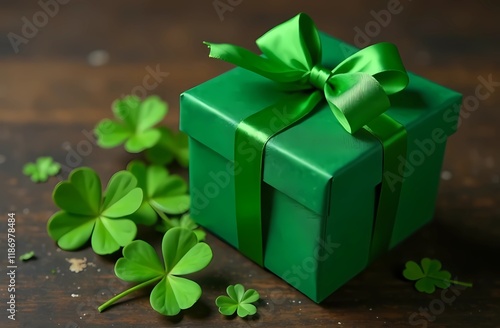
{"x":56,"y":87}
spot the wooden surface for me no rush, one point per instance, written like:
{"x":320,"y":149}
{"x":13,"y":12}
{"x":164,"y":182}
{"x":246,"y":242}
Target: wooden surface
{"x":50,"y":95}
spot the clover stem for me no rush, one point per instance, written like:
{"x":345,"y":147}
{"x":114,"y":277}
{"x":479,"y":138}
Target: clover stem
{"x":455,"y":282}
{"x":110,"y":302}
{"x":460,"y":283}
{"x":163,"y":217}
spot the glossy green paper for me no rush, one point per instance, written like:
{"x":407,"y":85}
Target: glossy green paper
{"x":320,"y":183}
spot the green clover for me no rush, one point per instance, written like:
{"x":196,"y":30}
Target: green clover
{"x":134,"y":124}
{"x":163,"y":193}
{"x":182,"y":254}
{"x":429,"y":276}
{"x":184,"y":222}
{"x":86,"y":214}
{"x":170,"y":146}
{"x":42,"y":169}
{"x":239,"y":301}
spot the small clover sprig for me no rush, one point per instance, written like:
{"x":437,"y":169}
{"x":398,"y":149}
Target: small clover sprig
{"x":163,"y":193}
{"x":134,"y":127}
{"x":238,"y":300}
{"x":134,"y":124}
{"x":184,"y":222}
{"x":182,"y":254}
{"x":85,"y":214}
{"x":429,"y":276}
{"x":42,"y":169}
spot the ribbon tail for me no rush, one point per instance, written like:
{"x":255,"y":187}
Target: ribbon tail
{"x":393,"y":137}
{"x":271,"y":69}
{"x":255,"y":131}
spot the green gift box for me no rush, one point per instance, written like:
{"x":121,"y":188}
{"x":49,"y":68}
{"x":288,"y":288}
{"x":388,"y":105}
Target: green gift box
{"x":321,"y":186}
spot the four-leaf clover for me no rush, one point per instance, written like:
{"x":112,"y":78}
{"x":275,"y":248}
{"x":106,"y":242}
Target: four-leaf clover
{"x":42,"y":169}
{"x":182,"y":254}
{"x":134,"y":124}
{"x":163,"y":193}
{"x":238,"y":301}
{"x":429,"y":276}
{"x":86,"y":214}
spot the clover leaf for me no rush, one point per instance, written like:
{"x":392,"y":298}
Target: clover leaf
{"x":184,"y":222}
{"x":27,"y":256}
{"x":239,"y":301}
{"x":134,"y":124}
{"x":170,"y":146}
{"x":85,"y":214}
{"x":42,"y":169}
{"x":182,"y":254}
{"x":429,"y":275}
{"x":163,"y":193}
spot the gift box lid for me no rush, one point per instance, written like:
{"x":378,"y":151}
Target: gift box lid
{"x":302,"y":160}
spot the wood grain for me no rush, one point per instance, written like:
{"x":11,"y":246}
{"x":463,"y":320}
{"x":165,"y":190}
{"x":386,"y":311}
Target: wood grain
{"x":50,"y":98}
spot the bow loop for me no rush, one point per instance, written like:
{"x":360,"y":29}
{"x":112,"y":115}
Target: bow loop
{"x":295,"y":43}
{"x":382,"y":61}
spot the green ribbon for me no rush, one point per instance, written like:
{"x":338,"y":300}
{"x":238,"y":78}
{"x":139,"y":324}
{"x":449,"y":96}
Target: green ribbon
{"x":357,"y":92}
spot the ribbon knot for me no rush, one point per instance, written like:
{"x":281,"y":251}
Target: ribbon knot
{"x":319,"y":76}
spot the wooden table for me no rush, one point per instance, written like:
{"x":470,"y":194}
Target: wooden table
{"x":51,"y":96}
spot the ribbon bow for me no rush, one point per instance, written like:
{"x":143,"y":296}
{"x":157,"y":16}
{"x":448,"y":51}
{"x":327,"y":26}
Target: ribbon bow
{"x":357,"y":92}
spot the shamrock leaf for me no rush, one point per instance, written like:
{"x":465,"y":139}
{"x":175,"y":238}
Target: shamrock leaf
{"x":163,"y":193}
{"x":27,"y":256}
{"x":184,"y":222}
{"x":170,"y":146}
{"x":134,"y":124}
{"x":182,"y":254}
{"x":239,"y":301}
{"x":42,"y":169}
{"x":86,"y":214}
{"x":429,"y":275}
